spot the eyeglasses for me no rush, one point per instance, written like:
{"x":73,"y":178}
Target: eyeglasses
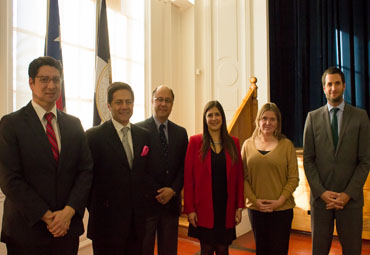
{"x":161,"y":100}
{"x":47,"y":79}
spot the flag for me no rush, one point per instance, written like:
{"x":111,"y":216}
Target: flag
{"x":103,"y":69}
{"x":53,"y":46}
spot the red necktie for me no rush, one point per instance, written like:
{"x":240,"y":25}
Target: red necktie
{"x":51,"y":135}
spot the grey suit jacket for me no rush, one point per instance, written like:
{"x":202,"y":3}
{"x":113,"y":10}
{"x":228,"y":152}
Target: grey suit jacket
{"x":33,"y":182}
{"x":171,"y":175}
{"x":344,"y":169}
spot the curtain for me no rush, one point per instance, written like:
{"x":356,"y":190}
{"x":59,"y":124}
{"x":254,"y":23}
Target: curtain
{"x":307,"y":37}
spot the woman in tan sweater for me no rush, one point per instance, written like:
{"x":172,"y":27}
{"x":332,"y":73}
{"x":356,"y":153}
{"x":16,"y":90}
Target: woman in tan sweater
{"x":270,"y":178}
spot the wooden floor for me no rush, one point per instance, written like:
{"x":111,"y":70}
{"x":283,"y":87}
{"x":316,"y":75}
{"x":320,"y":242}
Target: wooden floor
{"x":300,"y":244}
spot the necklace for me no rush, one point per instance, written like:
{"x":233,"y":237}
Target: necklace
{"x":217,"y":142}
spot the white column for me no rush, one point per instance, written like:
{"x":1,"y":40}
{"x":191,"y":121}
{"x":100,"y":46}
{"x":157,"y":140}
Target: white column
{"x":6,"y":52}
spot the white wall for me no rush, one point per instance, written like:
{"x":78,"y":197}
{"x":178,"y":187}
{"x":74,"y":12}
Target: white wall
{"x":209,"y":51}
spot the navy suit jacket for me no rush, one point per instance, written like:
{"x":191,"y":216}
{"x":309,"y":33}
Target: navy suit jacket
{"x":171,"y":175}
{"x":32,"y":180}
{"x":118,"y":192}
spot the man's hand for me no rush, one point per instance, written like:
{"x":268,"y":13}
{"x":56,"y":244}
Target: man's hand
{"x":342,"y":200}
{"x":47,"y":217}
{"x":193,"y":219}
{"x":164,"y":195}
{"x":61,"y":220}
{"x":329,"y":197}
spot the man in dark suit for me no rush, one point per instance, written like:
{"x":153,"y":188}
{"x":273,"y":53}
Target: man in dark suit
{"x":45,"y":170}
{"x":336,"y":162}
{"x":169,"y":143}
{"x":120,"y":191}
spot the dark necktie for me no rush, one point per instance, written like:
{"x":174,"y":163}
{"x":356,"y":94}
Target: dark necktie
{"x":126,"y":146}
{"x":51,"y":135}
{"x":334,"y":126}
{"x":162,"y":137}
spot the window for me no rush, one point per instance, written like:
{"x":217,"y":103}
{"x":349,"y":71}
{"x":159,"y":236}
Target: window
{"x":77,"y":21}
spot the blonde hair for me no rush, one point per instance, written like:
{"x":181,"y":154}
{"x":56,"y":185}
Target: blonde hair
{"x":273,"y":108}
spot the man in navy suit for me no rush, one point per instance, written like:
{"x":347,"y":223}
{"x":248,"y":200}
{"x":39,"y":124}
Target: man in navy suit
{"x":121,"y":191}
{"x":45,"y":170}
{"x":169,"y":143}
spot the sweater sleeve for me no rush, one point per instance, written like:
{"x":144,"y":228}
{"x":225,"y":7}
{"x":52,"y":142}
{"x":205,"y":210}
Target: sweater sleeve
{"x":292,"y":171}
{"x":248,"y":192}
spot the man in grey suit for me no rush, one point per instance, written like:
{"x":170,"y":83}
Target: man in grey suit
{"x":169,"y":144}
{"x":45,"y":170}
{"x":121,"y":193}
{"x":336,"y":162}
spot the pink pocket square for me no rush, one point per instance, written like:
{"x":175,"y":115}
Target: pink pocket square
{"x":145,"y":151}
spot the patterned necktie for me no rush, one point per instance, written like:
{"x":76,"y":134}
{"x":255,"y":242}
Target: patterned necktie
{"x":126,"y":146}
{"x":162,"y":137}
{"x":334,"y":126}
{"x":51,"y":135}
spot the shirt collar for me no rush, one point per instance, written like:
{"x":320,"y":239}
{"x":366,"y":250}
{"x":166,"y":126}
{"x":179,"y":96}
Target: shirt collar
{"x":340,"y":106}
{"x":41,"y":111}
{"x":118,"y":126}
{"x":158,"y":123}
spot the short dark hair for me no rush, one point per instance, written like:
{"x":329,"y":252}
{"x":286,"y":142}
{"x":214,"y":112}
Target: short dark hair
{"x":332,"y":70}
{"x":115,"y":86}
{"x":35,"y":65}
{"x":172,"y":94}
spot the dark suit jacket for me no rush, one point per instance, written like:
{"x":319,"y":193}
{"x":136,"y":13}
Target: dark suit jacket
{"x":344,"y":169}
{"x":198,"y":184}
{"x":173,"y":174}
{"x":33,"y":182}
{"x":117,"y":191}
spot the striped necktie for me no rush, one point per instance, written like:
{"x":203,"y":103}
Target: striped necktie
{"x":51,"y":135}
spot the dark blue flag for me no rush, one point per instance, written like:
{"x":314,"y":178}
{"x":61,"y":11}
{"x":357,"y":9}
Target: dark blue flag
{"x":103,"y":70}
{"x":53,"y":46}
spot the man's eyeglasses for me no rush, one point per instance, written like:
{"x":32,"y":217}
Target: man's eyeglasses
{"x":161,"y":100}
{"x":47,"y":79}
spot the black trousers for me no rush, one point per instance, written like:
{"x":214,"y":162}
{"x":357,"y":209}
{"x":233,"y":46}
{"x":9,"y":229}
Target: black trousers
{"x":164,"y":225}
{"x":67,"y":245}
{"x":132,"y":245}
{"x":271,"y":231}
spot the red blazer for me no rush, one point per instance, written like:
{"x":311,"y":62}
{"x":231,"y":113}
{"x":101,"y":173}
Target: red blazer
{"x":198,"y":184}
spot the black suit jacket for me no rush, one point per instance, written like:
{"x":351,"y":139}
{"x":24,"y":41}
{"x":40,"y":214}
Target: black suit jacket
{"x":117,"y":192}
{"x":173,"y":174}
{"x":32,"y":180}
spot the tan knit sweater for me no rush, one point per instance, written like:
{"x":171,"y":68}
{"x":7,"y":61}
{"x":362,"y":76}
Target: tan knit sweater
{"x":271,"y":175}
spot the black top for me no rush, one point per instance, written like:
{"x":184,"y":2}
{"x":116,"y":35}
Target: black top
{"x":219,"y":234}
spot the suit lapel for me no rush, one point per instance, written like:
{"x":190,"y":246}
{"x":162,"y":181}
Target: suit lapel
{"x":137,"y":143}
{"x":64,"y":136}
{"x":115,"y":143}
{"x":345,"y":120}
{"x":171,"y":139}
{"x":325,"y":117}
{"x":35,"y":126}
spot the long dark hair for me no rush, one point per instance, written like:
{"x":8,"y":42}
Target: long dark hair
{"x":226,"y":139}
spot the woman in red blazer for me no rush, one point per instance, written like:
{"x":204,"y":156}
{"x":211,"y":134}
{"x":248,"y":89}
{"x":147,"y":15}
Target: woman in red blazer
{"x":213,"y":183}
